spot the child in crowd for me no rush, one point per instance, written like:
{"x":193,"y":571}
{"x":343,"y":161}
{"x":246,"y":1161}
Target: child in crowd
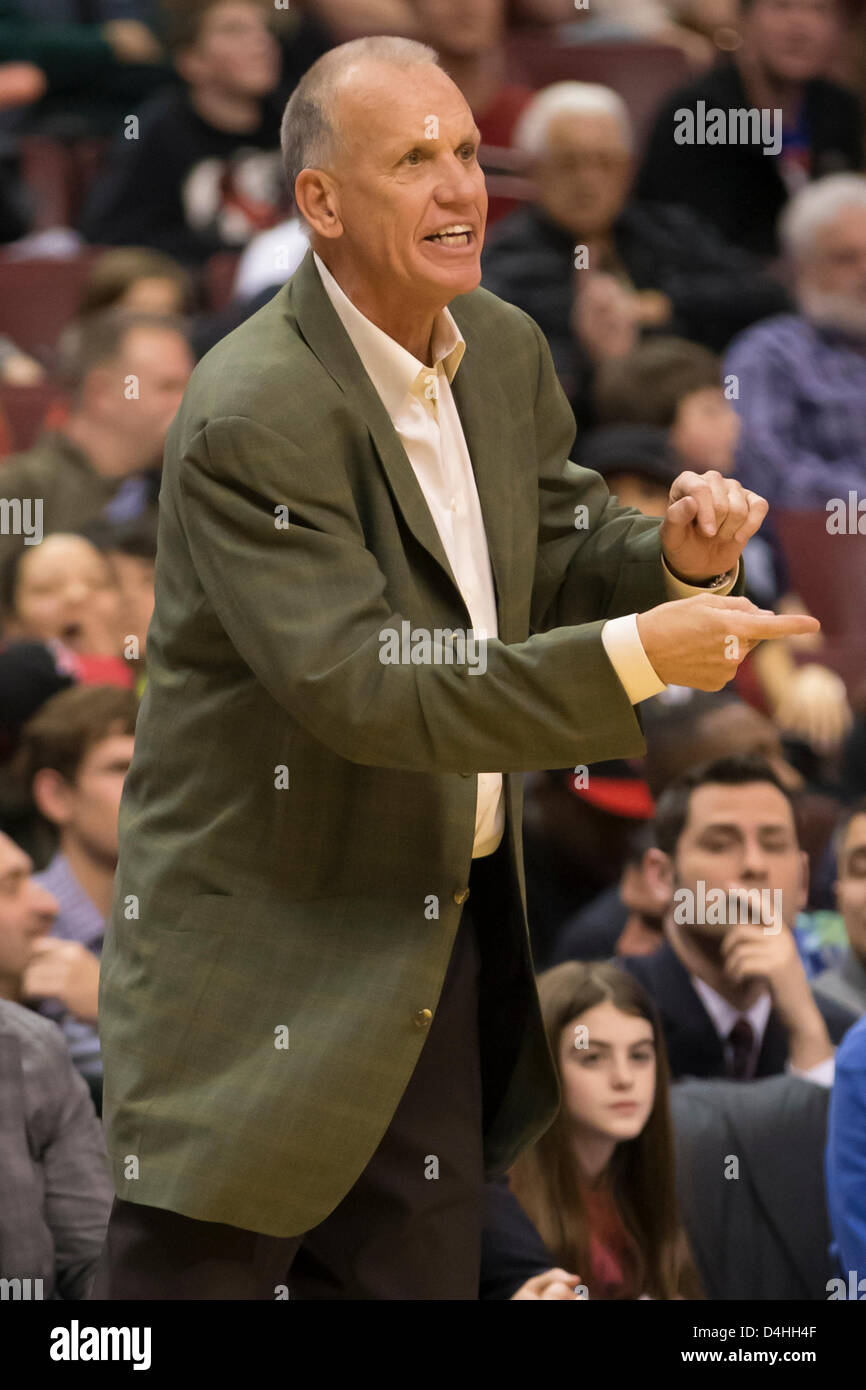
{"x":599,"y":1184}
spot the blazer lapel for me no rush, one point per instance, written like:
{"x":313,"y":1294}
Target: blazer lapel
{"x":482,"y":410}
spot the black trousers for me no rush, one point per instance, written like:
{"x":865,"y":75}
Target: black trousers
{"x":400,"y":1232}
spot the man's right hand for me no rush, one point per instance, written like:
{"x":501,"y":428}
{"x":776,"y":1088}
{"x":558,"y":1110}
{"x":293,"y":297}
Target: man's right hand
{"x":700,"y":641}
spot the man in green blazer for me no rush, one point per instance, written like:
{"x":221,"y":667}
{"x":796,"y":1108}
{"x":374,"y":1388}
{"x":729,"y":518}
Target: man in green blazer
{"x":379,"y":601}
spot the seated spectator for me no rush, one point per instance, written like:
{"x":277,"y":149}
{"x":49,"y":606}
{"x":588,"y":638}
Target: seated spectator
{"x":676,"y":386}
{"x":742,"y":182}
{"x":577,"y":831}
{"x":599,"y":1185}
{"x":54,"y":1176}
{"x":802,"y":376}
{"x":131,"y":548}
{"x":65,"y":594}
{"x":729,"y":981}
{"x":747,"y":1235}
{"x":139,"y":280}
{"x":96,"y":60}
{"x":594,"y":268}
{"x":624,"y":920}
{"x":205,"y":171}
{"x":72,"y":759}
{"x":126,"y":376}
{"x":846,"y":1163}
{"x":33,"y":965}
{"x":469,"y":37}
{"x":846,"y":982}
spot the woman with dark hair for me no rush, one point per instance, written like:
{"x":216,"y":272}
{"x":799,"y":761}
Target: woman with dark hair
{"x":599,"y":1184}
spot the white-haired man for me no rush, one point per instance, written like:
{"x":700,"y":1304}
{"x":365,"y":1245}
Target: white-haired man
{"x":318,"y":1016}
{"x":802,"y":376}
{"x":595,"y":268}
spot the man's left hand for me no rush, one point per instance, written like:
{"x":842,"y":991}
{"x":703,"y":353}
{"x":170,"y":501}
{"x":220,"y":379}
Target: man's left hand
{"x":707,"y":523}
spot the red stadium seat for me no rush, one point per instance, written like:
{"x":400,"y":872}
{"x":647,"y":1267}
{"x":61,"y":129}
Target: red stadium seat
{"x":38,"y":298}
{"x":642,"y":73}
{"x":58,"y":176}
{"x":24,"y":409}
{"x":829,"y":573}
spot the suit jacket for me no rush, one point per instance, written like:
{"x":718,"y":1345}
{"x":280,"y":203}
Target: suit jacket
{"x":297,"y":824}
{"x":737,"y":186}
{"x":759,"y":1231}
{"x":53,"y":1172}
{"x":694,"y":1047}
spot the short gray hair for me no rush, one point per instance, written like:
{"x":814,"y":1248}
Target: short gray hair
{"x":571,"y":98}
{"x":813,"y":206}
{"x":310,"y":135}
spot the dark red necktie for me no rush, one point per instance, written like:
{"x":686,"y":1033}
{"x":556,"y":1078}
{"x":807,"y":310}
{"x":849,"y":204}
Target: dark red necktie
{"x":741,"y":1040}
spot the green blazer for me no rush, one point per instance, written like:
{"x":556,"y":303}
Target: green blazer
{"x":297,"y":825}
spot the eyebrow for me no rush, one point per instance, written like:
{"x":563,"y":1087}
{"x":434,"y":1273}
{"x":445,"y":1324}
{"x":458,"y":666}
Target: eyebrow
{"x":599,"y":1042}
{"x":735,"y":825}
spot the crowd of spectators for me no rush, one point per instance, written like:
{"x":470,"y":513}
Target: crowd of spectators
{"x":697,"y":917}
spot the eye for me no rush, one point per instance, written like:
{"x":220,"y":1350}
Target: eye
{"x":410,"y":154}
{"x":468,"y":150}
{"x":590,"y":1059}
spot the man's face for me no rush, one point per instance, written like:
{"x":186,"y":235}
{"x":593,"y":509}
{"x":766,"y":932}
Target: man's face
{"x":138,"y":394}
{"x":851,"y":885}
{"x":836,"y":264}
{"x":395,"y":186}
{"x":27,"y":912}
{"x":235,"y":51}
{"x":741,"y":837}
{"x":791,"y":40}
{"x":62,"y":585}
{"x":705,"y":431}
{"x":608,"y":1085}
{"x":582,"y":179}
{"x":86,"y":809}
{"x":464,"y":27}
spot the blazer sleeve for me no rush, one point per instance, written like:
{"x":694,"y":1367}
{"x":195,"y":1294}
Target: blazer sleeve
{"x":305,"y":607}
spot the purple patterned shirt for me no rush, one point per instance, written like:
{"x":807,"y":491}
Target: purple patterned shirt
{"x":802,"y":401}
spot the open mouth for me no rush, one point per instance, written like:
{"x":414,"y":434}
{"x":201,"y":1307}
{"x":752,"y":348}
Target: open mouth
{"x":457,"y":236}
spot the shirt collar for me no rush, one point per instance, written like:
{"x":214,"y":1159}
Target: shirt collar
{"x":392,"y":370}
{"x":724,"y":1015}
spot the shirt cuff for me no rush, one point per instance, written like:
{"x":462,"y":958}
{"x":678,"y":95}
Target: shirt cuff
{"x":678,"y":588}
{"x":823,"y":1074}
{"x":625,"y":652}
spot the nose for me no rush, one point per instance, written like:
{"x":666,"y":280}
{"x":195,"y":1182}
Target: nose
{"x":754,"y":859}
{"x":460,"y":183}
{"x":620,"y":1073}
{"x":43,"y":905}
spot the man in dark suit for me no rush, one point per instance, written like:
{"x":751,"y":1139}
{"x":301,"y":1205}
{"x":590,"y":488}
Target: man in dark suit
{"x":728,"y":982}
{"x":311,"y":1047}
{"x":778,"y":69}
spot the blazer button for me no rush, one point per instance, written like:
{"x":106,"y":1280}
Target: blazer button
{"x":423,"y":1018}
{"x":461,"y":897}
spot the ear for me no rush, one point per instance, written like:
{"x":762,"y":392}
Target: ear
{"x":317,"y":201}
{"x":52,"y":794}
{"x":658,"y":872}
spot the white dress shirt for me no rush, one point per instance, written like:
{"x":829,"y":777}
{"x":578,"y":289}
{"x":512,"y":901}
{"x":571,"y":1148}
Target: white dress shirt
{"x":724,"y":1016}
{"x":422,"y":409}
